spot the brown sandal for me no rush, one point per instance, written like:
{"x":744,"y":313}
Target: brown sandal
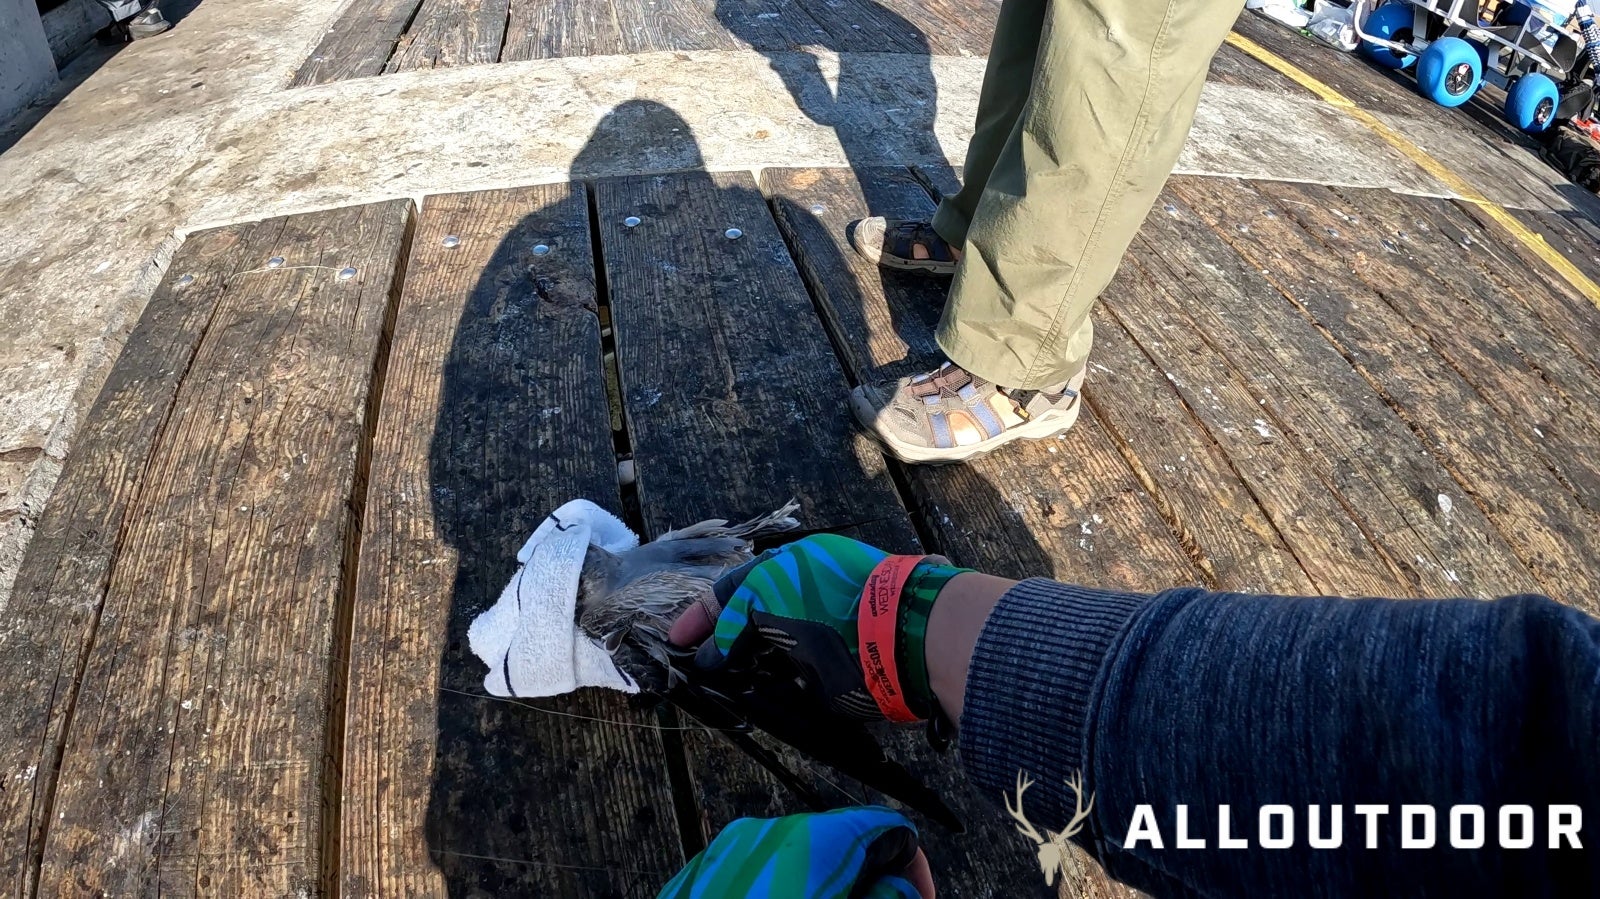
{"x":892,"y":243}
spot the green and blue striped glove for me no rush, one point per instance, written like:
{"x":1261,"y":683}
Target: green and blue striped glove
{"x":852,"y":853}
{"x":805,"y":599}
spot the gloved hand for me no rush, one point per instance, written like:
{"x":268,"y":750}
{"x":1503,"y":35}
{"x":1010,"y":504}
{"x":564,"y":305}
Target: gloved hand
{"x":805,"y":600}
{"x":852,"y":853}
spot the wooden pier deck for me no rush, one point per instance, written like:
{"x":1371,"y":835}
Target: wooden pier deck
{"x":236,"y":653}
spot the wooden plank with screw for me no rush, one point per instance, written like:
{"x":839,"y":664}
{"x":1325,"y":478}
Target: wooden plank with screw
{"x":495,"y":414}
{"x":196,"y":761}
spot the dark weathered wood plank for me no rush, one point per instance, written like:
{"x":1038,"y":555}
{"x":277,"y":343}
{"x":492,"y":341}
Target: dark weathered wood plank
{"x":452,"y":33}
{"x":726,"y":372}
{"x":1410,"y":336}
{"x":196,"y":757}
{"x":359,"y":43}
{"x":866,"y":26}
{"x":653,"y":25}
{"x":1068,"y":508}
{"x":1215,"y":510}
{"x":1233,"y":66}
{"x":548,"y":29}
{"x":1333,"y":546}
{"x":1542,"y":387}
{"x":769,"y":25}
{"x":55,"y":604}
{"x":494,"y":414}
{"x":1212,"y":303}
{"x":948,"y":27}
{"x":1525,"y":277}
{"x":719,"y":346}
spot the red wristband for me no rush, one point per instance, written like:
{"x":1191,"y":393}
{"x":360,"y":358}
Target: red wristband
{"x":877,"y":626}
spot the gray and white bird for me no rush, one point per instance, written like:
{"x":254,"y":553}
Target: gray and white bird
{"x":629,"y":600}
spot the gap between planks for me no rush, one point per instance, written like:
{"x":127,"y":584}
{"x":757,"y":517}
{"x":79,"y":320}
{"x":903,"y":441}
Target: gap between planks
{"x":344,"y":612}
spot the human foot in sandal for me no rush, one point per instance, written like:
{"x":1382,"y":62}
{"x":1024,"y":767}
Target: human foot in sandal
{"x":904,"y":245}
{"x":951,"y":415}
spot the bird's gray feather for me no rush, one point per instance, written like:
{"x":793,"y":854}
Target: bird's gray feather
{"x":629,"y":600}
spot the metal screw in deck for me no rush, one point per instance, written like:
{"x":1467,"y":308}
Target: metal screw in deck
{"x":452,"y":241}
{"x":275,"y":262}
{"x":346,"y":274}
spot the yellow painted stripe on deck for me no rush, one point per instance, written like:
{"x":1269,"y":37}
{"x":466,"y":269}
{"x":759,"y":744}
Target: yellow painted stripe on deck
{"x":1534,"y":241}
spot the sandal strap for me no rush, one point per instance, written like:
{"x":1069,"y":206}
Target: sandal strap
{"x":952,"y":398}
{"x":901,"y":238}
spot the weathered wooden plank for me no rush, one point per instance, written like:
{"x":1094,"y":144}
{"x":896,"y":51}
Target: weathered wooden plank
{"x":769,"y":25}
{"x":1573,"y":234}
{"x":1409,"y":336}
{"x":1218,"y":304}
{"x":359,"y":43}
{"x":1233,"y":66}
{"x":1068,"y":508}
{"x":719,"y":346}
{"x":653,"y":25}
{"x":549,"y":29}
{"x":726,"y":372}
{"x":494,"y":414}
{"x":452,"y":33}
{"x":1195,"y":482}
{"x":947,"y":27}
{"x":54,"y":607}
{"x":1525,"y":311}
{"x":1330,"y":543}
{"x":1537,"y":382}
{"x":865,"y":26}
{"x":196,"y":762}
{"x":1525,"y":277}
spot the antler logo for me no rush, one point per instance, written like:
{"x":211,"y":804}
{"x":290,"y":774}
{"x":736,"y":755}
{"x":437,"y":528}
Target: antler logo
{"x":1054,"y":850}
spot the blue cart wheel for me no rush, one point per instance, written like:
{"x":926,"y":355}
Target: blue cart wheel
{"x":1392,"y":22}
{"x":1449,"y":71}
{"x":1531,"y":103}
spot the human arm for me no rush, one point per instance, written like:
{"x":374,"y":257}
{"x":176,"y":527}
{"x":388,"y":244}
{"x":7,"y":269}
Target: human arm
{"x":1207,"y":699}
{"x":1204,"y":699}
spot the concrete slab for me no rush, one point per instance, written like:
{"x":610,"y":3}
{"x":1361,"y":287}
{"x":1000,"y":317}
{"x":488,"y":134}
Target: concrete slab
{"x":196,"y":128}
{"x":27,"y":70}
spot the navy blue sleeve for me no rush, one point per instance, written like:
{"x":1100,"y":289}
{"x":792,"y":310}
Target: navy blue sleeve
{"x":1481,"y":716}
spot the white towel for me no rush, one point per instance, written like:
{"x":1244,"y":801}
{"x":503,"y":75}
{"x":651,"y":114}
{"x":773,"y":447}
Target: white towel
{"x":529,"y":638}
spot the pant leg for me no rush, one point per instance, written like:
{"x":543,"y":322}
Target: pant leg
{"x":1012,"y":54}
{"x":1113,"y":94}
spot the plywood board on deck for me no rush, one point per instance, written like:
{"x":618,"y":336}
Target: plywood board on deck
{"x":495,"y":414}
{"x":197,"y":759}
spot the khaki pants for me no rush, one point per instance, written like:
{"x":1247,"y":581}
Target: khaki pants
{"x":1084,"y":109}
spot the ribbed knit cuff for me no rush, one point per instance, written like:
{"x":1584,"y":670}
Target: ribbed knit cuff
{"x":1030,"y":687}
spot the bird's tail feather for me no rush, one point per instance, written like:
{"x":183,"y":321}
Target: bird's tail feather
{"x":775,"y":522}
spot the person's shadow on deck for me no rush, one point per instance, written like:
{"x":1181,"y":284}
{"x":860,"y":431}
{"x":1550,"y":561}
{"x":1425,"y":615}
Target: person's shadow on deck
{"x":534,"y":798}
{"x":885,"y":101}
